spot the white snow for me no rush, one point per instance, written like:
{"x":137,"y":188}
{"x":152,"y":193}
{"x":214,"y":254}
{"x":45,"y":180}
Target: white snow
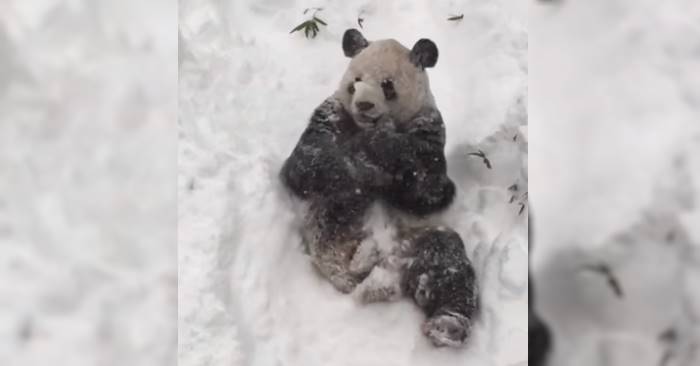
{"x":247,"y":292}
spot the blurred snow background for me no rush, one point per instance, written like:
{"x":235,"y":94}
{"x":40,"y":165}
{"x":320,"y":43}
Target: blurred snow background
{"x":247,"y":293}
{"x":615,"y":161}
{"x":87,"y":182}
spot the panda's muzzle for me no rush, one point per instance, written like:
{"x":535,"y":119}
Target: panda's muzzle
{"x":364,"y":106}
{"x":367,"y":106}
{"x":368,"y":120}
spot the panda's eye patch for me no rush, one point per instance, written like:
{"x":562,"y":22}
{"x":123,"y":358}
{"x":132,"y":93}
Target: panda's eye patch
{"x":351,"y":87}
{"x":388,"y":88}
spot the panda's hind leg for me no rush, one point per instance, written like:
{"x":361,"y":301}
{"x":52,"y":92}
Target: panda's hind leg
{"x":442,"y":282}
{"x":333,"y":232}
{"x":331,"y":259}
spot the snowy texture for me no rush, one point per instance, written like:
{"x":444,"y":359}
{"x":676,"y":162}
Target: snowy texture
{"x":247,"y":293}
{"x":616,"y":159}
{"x":87,"y":199}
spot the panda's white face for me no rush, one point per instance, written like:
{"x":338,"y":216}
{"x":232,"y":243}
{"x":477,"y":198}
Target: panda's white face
{"x":381,"y":85}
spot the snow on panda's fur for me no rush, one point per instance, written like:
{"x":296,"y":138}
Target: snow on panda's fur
{"x":380,"y":138}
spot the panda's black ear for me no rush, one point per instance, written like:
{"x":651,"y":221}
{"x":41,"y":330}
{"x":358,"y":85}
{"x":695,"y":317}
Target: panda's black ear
{"x":353,"y":42}
{"x":424,"y":53}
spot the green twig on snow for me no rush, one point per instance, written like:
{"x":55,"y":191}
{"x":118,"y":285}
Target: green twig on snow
{"x":311,"y":26}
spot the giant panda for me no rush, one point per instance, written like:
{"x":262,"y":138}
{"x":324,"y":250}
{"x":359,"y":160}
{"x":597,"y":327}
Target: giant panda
{"x":379,"y":138}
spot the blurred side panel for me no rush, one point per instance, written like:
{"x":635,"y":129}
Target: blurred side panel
{"x":88,"y":220}
{"x":615,"y":174}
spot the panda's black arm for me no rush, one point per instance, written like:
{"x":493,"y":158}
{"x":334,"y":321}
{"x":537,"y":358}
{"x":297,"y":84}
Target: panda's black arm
{"x":395,"y":150}
{"x":323,"y":125}
{"x":424,"y":186}
{"x":427,"y":130}
{"x":415,"y":157}
{"x":316,"y":163}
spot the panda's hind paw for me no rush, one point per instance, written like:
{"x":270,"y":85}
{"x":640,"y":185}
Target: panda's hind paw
{"x":382,"y":284}
{"x":343,"y":283}
{"x":365,"y":258}
{"x":447,"y":330}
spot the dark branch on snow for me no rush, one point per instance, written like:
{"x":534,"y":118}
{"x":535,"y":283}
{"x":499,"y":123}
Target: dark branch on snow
{"x":482,"y":156}
{"x":612,"y":281}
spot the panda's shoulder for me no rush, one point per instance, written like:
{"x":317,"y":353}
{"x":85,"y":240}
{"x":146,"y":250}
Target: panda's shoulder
{"x":428,"y":115}
{"x":427,"y":120}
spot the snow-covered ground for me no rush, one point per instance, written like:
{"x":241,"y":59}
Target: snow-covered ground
{"x":615,"y":156}
{"x":247,"y":293}
{"x":88,"y":104}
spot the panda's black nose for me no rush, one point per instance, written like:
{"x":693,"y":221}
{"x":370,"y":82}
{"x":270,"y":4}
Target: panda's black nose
{"x":364,"y":106}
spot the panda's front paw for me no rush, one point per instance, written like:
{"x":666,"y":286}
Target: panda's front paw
{"x":331,"y":105}
{"x":386,"y":123}
{"x":329,"y":114}
{"x":448,"y":330}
